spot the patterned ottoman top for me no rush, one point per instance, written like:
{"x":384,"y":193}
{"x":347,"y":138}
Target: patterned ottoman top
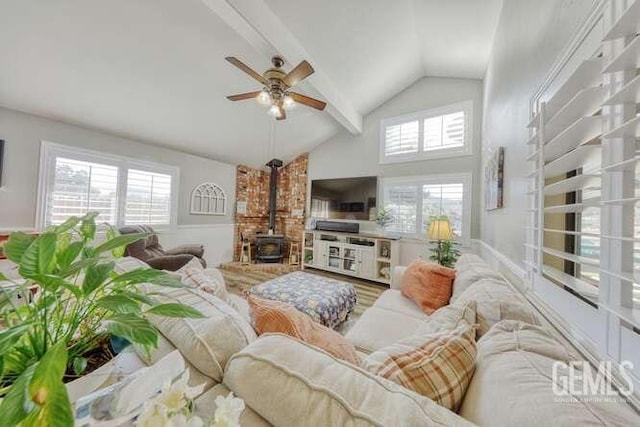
{"x":326,"y":300}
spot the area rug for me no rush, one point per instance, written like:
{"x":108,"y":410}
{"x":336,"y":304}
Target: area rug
{"x":368,"y":292}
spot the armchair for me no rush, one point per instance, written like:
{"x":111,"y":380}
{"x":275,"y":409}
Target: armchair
{"x":151,"y":251}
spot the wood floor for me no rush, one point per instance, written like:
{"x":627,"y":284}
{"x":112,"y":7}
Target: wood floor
{"x":239,"y":281}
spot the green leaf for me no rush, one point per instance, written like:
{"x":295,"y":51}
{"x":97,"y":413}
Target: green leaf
{"x":119,"y":304}
{"x":167,"y":281}
{"x":112,"y":233}
{"x":174,"y":309}
{"x":39,"y":258}
{"x":16,"y":405}
{"x":133,"y":328}
{"x":120,"y":241}
{"x":88,"y":225}
{"x":96,"y":275}
{"x":48,"y":392}
{"x":77,"y":266}
{"x":17,"y":245}
{"x":3,"y":277}
{"x":11,"y":336}
{"x":67,"y":225}
{"x":69,"y":254}
{"x":79,"y":364}
{"x":140,"y":298}
{"x":139,"y":275}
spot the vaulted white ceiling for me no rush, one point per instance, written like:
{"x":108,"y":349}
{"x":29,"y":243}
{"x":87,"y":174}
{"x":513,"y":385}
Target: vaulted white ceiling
{"x":154,"y":70}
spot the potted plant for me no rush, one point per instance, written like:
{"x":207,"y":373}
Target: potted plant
{"x":383,"y":219}
{"x":444,"y":249}
{"x":80,"y":303}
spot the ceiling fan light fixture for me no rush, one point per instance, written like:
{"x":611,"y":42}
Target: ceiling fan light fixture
{"x":274,"y":111}
{"x":264,"y":97}
{"x":288,"y":102}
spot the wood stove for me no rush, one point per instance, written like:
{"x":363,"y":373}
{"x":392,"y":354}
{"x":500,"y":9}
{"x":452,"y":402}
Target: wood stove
{"x":270,"y":248}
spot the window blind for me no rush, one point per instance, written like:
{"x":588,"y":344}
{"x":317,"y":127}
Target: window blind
{"x":402,"y":138}
{"x":443,"y":199}
{"x":445,"y":131}
{"x":148,"y":199}
{"x":401,"y":201}
{"x":80,"y":187}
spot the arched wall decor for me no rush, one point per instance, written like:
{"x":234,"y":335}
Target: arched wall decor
{"x":208,"y":199}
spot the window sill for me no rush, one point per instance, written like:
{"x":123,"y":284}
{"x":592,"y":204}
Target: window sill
{"x":425,"y":157}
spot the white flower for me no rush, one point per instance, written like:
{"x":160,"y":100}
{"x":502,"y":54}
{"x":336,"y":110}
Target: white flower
{"x":175,"y":396}
{"x":180,"y":420}
{"x":152,"y":415}
{"x":228,"y":411}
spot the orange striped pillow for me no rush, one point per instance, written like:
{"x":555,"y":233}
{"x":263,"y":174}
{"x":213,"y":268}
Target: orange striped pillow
{"x":438,"y":366}
{"x":270,"y":316}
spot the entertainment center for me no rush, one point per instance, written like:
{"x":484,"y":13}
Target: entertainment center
{"x":361,"y":255}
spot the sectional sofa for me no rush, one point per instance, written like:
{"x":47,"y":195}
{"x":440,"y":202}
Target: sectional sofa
{"x":285,"y":382}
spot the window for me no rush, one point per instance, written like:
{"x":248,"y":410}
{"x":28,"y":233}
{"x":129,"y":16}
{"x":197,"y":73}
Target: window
{"x":441,"y":132}
{"x":124,"y":191}
{"x":319,"y":208}
{"x":413,"y":201}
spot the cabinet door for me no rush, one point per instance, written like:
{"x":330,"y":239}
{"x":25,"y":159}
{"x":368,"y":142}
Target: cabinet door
{"x":320,"y":253}
{"x":366,"y":263}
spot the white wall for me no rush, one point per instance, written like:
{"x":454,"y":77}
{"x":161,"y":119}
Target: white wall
{"x":23,"y":134}
{"x":530,"y":36}
{"x":346,"y":155}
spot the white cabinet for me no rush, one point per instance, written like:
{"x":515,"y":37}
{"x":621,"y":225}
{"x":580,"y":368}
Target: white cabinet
{"x":359,"y":255}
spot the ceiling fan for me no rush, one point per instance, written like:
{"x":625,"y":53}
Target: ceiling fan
{"x":276,"y":84}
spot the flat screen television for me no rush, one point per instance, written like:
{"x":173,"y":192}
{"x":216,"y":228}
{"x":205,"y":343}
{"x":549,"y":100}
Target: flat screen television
{"x":344,"y":198}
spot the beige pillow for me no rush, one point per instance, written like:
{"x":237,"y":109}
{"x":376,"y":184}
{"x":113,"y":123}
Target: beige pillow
{"x":196,"y":277}
{"x":126,"y":264}
{"x":513,"y":384}
{"x":193,"y":263}
{"x":207,"y":342}
{"x":469,"y":274}
{"x":290,"y":383}
{"x":438,"y":366}
{"x":496,"y":301}
{"x":448,"y":318}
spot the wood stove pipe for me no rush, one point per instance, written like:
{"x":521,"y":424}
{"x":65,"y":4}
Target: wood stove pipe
{"x":274,"y":164}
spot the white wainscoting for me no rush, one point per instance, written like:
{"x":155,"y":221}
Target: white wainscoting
{"x":216,"y":238}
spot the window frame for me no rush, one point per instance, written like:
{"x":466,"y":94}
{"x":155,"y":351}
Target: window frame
{"x":467,"y":199}
{"x":50,"y":151}
{"x":421,"y":116}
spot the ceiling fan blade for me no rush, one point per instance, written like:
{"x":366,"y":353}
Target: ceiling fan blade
{"x":242,"y":96}
{"x":308,"y":101}
{"x":301,"y":72}
{"x":241,"y":65}
{"x":283,"y":114}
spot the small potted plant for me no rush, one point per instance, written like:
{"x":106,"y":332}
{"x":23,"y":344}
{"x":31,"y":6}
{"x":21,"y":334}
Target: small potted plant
{"x":65,"y":330}
{"x":383,"y":219}
{"x":444,"y":249}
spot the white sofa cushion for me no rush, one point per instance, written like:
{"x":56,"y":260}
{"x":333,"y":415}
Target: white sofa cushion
{"x":393,"y":300}
{"x":496,"y":301}
{"x":448,"y":318}
{"x":512,"y":384}
{"x":468,"y":274}
{"x":206,"y":407}
{"x":290,"y":383}
{"x":206,"y":342}
{"x":378,"y":328}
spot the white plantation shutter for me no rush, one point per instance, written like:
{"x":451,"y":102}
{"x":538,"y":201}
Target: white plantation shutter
{"x":402,"y":202}
{"x":75,"y":181}
{"x":443,"y":199}
{"x":412,"y":201}
{"x":148,"y":199}
{"x":446,"y":131}
{"x":402,"y":138}
{"x":80,"y":187}
{"x":440,"y":132}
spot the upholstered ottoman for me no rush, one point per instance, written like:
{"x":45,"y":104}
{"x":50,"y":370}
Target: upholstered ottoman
{"x":328,"y":301}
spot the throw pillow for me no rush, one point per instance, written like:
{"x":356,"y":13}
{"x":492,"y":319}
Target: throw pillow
{"x":127,"y":264}
{"x":428,"y":285}
{"x":197,"y":278}
{"x":280,"y":317}
{"x":193,"y":264}
{"x":448,"y":318}
{"x":438,"y":366}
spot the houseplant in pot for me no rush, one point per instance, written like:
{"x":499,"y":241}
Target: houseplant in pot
{"x":63,"y":331}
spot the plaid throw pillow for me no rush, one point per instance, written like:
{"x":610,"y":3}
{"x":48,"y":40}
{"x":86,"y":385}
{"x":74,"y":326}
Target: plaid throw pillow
{"x":126,"y":264}
{"x":438,"y":366}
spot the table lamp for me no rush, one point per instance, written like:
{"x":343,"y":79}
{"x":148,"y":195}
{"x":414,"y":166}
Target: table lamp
{"x":440,"y":230}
